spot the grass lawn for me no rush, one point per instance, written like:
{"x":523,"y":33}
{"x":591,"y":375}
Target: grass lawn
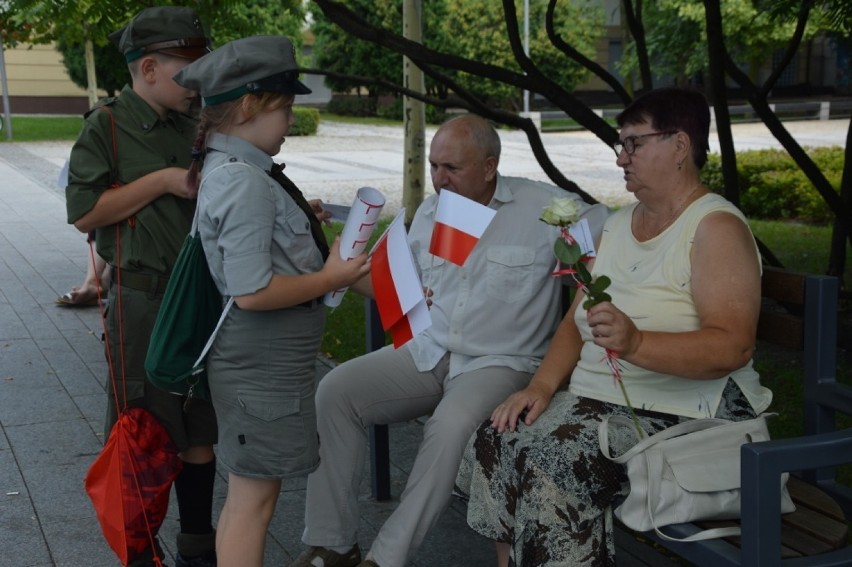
{"x":39,"y":128}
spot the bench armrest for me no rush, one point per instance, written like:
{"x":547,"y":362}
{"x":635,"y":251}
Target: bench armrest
{"x":761,"y":469}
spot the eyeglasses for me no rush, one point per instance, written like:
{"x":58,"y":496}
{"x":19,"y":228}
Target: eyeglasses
{"x":628,"y":144}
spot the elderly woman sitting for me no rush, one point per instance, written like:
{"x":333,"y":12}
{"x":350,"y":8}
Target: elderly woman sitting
{"x":685,"y":293}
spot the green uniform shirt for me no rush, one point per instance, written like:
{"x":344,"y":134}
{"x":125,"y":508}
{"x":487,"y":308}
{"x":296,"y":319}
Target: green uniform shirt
{"x":144,"y":144}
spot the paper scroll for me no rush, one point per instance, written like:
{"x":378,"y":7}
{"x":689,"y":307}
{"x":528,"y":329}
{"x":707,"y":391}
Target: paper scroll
{"x":362,"y":221}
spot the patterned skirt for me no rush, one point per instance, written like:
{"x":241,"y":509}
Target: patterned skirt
{"x":547,"y":490}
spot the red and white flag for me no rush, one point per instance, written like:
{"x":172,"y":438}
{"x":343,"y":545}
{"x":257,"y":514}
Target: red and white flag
{"x":459,"y":224}
{"x":396,"y":285}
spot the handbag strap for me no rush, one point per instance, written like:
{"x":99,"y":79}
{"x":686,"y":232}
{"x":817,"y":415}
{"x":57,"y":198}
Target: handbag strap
{"x":196,"y":368}
{"x":689,"y":426}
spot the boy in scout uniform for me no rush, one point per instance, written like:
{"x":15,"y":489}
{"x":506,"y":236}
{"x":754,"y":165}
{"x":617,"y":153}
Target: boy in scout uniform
{"x":127,"y":182}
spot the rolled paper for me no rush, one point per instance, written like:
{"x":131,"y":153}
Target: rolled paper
{"x":362,"y":221}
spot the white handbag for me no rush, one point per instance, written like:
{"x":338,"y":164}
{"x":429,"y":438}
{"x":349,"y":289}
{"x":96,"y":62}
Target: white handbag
{"x":688,"y":472}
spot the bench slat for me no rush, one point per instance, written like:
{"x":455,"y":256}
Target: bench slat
{"x":805,"y":494}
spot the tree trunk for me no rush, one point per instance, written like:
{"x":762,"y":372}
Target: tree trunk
{"x":716,"y":55}
{"x":837,"y":254}
{"x":91,"y":78}
{"x":414,"y":115}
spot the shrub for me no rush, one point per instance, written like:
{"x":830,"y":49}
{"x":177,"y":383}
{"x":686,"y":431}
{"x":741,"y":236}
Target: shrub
{"x":352,"y":106}
{"x":772,"y":187}
{"x":307,"y":122}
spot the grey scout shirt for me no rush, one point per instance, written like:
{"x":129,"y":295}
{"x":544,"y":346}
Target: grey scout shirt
{"x":502,"y":307}
{"x":250,"y":228}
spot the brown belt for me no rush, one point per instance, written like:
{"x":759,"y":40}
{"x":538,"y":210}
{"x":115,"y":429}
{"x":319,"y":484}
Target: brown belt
{"x":152,"y":283}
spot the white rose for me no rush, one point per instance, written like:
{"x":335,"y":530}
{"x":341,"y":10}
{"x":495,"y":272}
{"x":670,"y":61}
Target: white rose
{"x":562,"y":211}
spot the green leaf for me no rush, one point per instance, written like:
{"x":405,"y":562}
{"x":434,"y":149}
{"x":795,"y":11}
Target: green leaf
{"x":584,"y":274}
{"x":567,"y":253}
{"x":602,"y":282}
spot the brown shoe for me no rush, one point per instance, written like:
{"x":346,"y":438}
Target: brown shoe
{"x":322,"y":557}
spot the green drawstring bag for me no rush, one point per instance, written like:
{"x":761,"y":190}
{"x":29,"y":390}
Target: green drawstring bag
{"x":189,"y":318}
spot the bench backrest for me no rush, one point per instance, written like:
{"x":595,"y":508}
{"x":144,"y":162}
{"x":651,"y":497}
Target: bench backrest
{"x":800,"y":312}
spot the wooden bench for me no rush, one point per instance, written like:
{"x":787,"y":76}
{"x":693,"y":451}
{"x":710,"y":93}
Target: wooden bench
{"x":799,"y":313}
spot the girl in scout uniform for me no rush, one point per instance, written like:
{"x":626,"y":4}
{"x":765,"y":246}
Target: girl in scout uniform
{"x":265,"y":248}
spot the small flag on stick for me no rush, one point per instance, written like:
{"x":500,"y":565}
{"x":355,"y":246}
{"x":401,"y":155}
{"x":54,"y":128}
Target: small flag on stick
{"x":459,"y":224}
{"x":396,"y":285}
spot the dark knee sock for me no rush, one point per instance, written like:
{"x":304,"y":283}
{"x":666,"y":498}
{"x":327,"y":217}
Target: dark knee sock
{"x":194,"y":490}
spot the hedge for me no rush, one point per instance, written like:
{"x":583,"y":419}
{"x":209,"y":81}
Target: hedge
{"x":772,"y":187}
{"x":307,"y":121}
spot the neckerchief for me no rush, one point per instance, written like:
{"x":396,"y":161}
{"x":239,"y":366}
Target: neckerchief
{"x":277,"y":173}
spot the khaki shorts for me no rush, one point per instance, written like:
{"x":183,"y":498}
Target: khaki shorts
{"x":189,"y":425}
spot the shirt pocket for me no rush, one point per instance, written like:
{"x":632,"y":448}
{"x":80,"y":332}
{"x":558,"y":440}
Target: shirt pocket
{"x":298,"y":243}
{"x":508,"y":274}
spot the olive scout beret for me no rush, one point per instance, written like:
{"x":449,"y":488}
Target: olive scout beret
{"x":172,"y":30}
{"x":262,"y":63}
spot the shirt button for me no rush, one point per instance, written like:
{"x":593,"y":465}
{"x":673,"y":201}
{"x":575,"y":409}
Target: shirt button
{"x":307,"y":225}
{"x":146,"y":126}
{"x":232,"y":160}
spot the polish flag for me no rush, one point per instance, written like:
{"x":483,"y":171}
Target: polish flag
{"x":396,"y":285}
{"x":459,"y":224}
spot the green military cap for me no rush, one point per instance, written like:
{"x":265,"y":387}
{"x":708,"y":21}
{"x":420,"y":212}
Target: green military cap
{"x":261,"y":63}
{"x":173,"y":30}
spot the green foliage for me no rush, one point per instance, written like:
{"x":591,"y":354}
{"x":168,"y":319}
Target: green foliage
{"x":307,"y":121}
{"x":474,"y":29}
{"x":232,"y":20}
{"x":73,"y":23}
{"x":334,"y":50}
{"x":773,"y":187}
{"x":393,"y":111}
{"x":110,"y":68}
{"x":478,"y":32}
{"x":676,"y":37}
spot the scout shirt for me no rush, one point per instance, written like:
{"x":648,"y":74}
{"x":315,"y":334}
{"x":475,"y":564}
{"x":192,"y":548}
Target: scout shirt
{"x":250,"y":227}
{"x":151,"y":240}
{"x":502,"y":306}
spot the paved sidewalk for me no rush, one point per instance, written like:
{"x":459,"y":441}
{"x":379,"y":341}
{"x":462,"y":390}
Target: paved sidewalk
{"x":52,"y":370}
{"x":52,"y":401}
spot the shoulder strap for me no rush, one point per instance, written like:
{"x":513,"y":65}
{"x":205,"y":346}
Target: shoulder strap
{"x":196,"y":367}
{"x":114,"y":182}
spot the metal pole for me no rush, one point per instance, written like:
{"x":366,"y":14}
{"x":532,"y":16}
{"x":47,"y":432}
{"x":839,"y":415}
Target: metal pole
{"x":7,"y":117}
{"x":414,"y":115}
{"x":527,"y":50}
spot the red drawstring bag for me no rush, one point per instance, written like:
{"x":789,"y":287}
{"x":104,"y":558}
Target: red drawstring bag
{"x":129,"y":482}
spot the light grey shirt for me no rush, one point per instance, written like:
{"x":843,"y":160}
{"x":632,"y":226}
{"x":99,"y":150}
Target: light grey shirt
{"x":250,"y":228}
{"x":502,"y":307}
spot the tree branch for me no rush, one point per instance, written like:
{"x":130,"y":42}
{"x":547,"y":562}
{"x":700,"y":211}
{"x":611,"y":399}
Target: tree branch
{"x":634,"y":24}
{"x":575,"y":55}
